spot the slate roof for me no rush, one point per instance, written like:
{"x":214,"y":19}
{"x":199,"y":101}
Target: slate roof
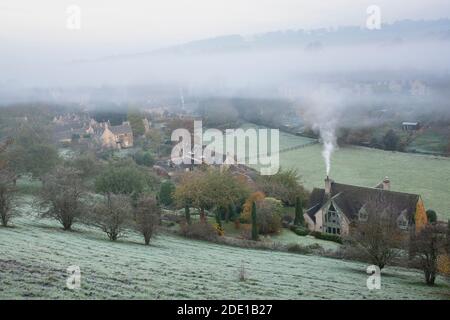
{"x":350,"y":199}
{"x":316,"y":201}
{"x":121,"y":129}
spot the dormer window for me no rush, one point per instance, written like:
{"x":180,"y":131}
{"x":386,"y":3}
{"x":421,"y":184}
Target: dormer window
{"x":363,"y":215}
{"x":402,"y":222}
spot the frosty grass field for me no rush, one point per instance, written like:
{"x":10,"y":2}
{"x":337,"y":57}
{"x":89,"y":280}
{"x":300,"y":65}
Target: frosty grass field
{"x":35,"y":254}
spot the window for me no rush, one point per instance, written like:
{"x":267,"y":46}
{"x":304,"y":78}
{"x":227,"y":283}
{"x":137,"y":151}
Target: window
{"x":338,"y":230}
{"x":402,"y":222}
{"x":332,"y":220}
{"x":331,"y":215}
{"x":362,"y":215}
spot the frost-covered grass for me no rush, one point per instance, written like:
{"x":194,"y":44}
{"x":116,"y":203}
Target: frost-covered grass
{"x":27,"y":185}
{"x":66,"y":153}
{"x":35,"y":254}
{"x":428,"y":176}
{"x":287,"y":236}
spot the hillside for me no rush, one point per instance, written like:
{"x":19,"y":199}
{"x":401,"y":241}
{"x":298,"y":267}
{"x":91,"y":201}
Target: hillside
{"x":390,"y":34}
{"x":35,"y":253}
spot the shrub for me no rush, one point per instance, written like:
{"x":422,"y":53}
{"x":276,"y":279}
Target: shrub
{"x":431,"y":216}
{"x":299,"y":219}
{"x":300,"y":231}
{"x":246,"y":231}
{"x":310,"y":249}
{"x":166,"y":192}
{"x":219,"y":229}
{"x":246,"y":215}
{"x":120,"y":179}
{"x":268,"y":216}
{"x":328,"y":237}
{"x":144,"y":158}
{"x":171,"y":217}
{"x":297,"y":248}
{"x":254,"y":223}
{"x":287,"y":219}
{"x":199,"y":230}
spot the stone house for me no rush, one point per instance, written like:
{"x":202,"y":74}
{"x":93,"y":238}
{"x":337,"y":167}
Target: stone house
{"x":333,"y":208}
{"x":117,"y":137}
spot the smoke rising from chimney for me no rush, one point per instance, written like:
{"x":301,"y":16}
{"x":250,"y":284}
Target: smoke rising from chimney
{"x":323,"y":114}
{"x":328,"y":136}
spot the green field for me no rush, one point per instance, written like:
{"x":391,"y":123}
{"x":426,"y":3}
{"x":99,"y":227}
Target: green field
{"x":287,"y":140}
{"x":35,"y":254}
{"x":431,"y":141}
{"x":426,"y":175}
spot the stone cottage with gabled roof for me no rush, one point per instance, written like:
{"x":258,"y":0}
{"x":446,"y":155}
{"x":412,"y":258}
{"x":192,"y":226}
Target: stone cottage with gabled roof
{"x":333,"y":209}
{"x":117,"y":137}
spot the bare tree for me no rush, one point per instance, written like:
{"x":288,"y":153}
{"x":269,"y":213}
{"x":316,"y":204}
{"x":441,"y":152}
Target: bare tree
{"x":112,"y":215}
{"x":61,"y":196}
{"x":377,"y":237}
{"x":7,"y":196}
{"x":426,"y":246}
{"x":147,"y":217}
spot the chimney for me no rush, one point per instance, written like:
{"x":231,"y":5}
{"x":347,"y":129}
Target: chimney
{"x":386,"y":183}
{"x":328,"y":183}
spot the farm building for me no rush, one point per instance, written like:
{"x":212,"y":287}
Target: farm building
{"x":334,"y":208}
{"x":410,"y":126}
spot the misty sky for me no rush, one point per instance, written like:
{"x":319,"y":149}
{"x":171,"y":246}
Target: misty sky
{"x":36,"y":47}
{"x":147,"y":24}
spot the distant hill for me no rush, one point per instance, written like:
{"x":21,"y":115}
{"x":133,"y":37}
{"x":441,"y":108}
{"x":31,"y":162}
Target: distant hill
{"x":389,"y":34}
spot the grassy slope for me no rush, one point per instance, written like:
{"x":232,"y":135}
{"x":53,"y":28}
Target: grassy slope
{"x":35,"y":254}
{"x":428,"y":176}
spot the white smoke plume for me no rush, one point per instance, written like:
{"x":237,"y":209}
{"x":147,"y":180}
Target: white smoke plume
{"x":323,"y":115}
{"x":328,"y":136}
